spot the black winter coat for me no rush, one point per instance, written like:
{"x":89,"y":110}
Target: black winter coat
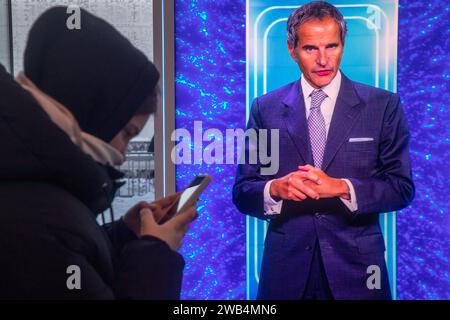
{"x":50,"y":194}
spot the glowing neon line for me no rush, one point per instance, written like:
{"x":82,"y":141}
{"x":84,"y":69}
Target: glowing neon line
{"x":247,"y":115}
{"x":163,"y":99}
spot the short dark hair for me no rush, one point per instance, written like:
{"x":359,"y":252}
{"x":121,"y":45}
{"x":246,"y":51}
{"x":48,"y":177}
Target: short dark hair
{"x":311,"y":11}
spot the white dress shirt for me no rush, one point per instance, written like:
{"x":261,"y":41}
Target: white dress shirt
{"x":271,"y":206}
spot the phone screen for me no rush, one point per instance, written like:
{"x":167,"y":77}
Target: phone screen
{"x":188,"y":192}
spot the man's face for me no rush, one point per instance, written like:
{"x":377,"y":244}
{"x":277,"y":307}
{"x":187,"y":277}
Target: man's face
{"x":319,"y":51}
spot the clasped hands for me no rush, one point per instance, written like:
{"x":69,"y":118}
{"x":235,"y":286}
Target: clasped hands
{"x":308,"y":182}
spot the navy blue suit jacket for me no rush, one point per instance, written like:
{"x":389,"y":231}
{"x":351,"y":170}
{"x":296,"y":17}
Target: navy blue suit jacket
{"x":379,"y":170}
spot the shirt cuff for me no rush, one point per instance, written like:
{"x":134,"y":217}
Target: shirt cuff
{"x":351,"y":204}
{"x":271,"y":207}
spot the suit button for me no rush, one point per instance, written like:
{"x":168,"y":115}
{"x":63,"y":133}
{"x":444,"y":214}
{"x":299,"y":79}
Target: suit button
{"x":308,"y":248}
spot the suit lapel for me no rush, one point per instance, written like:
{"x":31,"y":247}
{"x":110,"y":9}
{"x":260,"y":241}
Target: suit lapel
{"x":294,"y":117}
{"x":345,"y":114}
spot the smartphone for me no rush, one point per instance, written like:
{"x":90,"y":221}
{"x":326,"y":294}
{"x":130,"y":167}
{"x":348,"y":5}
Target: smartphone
{"x":188,"y":197}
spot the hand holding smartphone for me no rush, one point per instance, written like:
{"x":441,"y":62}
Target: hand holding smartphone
{"x":188,"y":197}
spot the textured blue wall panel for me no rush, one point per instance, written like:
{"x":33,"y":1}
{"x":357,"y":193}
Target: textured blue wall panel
{"x":423,"y":229}
{"x":210,"y":87}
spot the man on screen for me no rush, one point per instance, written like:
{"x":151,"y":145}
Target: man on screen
{"x":344,"y":158}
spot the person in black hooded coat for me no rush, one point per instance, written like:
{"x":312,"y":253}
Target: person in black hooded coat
{"x":51,"y":189}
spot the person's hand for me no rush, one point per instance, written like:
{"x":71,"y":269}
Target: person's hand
{"x":328,"y":188}
{"x":293,"y":186}
{"x":159,"y":208}
{"x":171,"y":232}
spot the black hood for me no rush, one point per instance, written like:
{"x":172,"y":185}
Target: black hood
{"x":95,"y":71}
{"x":34,"y":149}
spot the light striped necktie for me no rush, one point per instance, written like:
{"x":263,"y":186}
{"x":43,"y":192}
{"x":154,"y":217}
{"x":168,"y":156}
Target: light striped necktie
{"x":316,"y":126}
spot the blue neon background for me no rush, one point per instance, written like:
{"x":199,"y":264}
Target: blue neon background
{"x":359,"y":65}
{"x":210,"y":86}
